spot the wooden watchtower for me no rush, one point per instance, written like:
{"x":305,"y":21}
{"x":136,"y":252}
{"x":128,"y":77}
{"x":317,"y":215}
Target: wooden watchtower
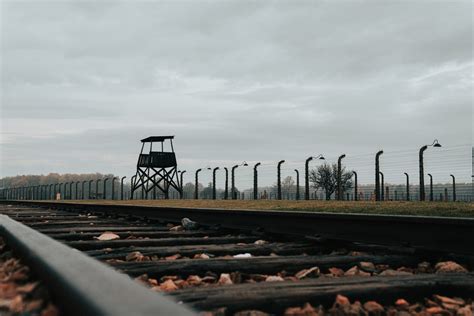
{"x":156,"y":169}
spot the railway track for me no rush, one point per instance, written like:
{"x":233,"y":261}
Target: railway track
{"x":257,"y":263}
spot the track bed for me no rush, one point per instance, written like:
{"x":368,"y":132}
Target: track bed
{"x":223,"y":270}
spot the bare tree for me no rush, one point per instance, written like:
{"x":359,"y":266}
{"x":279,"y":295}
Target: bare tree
{"x":325,"y":177}
{"x":287,"y":185}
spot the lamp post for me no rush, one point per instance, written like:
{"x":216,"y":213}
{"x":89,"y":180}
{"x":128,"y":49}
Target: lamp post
{"x":377,"y":175}
{"x":422,"y":174}
{"x":356,"y":198}
{"x":196,"y":195}
{"x":113,"y":187}
{"x":234,"y":194}
{"x":306,"y":174}
{"x":255,"y":181}
{"x":339,"y":177}
{"x":214,"y":182}
{"x":408,"y":186}
{"x":226,"y":189}
{"x":97,"y":188}
{"x":431,"y":186}
{"x":105,"y":188}
{"x":297,"y":197}
{"x":382,"y":191}
{"x":279,"y":178}
{"x":454,"y":187}
{"x":121,"y":187}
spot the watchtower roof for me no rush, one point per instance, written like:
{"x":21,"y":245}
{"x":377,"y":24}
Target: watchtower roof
{"x":156,"y":139}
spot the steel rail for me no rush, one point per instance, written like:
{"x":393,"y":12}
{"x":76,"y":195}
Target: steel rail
{"x":82,"y":285}
{"x":443,"y":234}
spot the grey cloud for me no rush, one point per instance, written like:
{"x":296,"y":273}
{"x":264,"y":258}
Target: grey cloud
{"x":83,"y":81}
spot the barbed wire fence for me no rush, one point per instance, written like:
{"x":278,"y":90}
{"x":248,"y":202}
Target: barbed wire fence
{"x":440,"y":166}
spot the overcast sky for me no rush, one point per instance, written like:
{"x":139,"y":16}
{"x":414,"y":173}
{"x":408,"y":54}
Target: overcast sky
{"x":82,"y":82}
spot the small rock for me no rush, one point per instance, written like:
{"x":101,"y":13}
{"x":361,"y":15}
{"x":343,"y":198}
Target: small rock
{"x":136,"y":256}
{"x":314,"y":271}
{"x":435,"y":310}
{"x":306,"y":310}
{"x":356,"y":271}
{"x":342,"y":300}
{"x":108,"y":236}
{"x":402,"y":304}
{"x":464,"y":311}
{"x":208,"y":279}
{"x":444,"y":299}
{"x":173,"y":257}
{"x":449,"y":267}
{"x":168,"y":286}
{"x":169,"y":277}
{"x":373,"y":308}
{"x":189,"y":224}
{"x":274,"y":278}
{"x":225,"y":279}
{"x":153,"y":282}
{"x":177,"y":228}
{"x":336,"y":272}
{"x":367,"y":266}
{"x":201,"y":256}
{"x":242,"y":255}
{"x":194,"y":280}
{"x":405,"y":269}
{"x":260,"y":242}
{"x":181,"y":284}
